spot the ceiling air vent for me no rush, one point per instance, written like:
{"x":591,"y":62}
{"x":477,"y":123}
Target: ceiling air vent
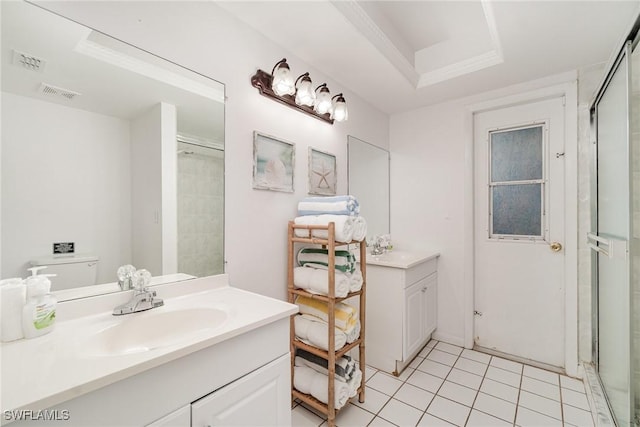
{"x":51,"y":90}
{"x":27,"y":61}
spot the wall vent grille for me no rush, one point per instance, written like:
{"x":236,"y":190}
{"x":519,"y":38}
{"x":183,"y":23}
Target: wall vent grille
{"x":28,"y":62}
{"x":51,"y":90}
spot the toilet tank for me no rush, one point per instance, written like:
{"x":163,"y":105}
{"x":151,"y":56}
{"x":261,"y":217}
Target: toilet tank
{"x":72,"y":271}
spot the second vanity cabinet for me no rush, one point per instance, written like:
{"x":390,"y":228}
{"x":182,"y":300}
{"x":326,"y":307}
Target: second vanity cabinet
{"x":402,"y":307}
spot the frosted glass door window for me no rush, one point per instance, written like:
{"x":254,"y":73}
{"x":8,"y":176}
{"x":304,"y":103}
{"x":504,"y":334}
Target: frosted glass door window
{"x":517,"y":183}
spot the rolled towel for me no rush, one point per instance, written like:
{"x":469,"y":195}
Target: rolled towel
{"x":315,"y":332}
{"x":345,"y":261}
{"x":345,"y":366}
{"x":346,"y":316}
{"x":316,"y":384}
{"x":335,"y":205}
{"x":359,"y":228}
{"x":355,"y":280}
{"x":354,"y":333}
{"x":355,"y":382}
{"x":343,"y":226}
{"x":316,"y":281}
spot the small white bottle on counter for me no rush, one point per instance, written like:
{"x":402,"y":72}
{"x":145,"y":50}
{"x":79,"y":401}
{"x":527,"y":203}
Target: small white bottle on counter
{"x":39,"y":313}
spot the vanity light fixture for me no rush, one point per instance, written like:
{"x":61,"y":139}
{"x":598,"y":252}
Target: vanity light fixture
{"x":305,"y":95}
{"x":299,"y":93}
{"x":323,"y":99}
{"x":339,"y":110}
{"x":283,"y":83}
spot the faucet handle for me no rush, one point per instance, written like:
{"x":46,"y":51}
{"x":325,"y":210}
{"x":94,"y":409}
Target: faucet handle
{"x":141,"y":279}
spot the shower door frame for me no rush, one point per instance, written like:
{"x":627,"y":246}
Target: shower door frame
{"x":626,"y":52}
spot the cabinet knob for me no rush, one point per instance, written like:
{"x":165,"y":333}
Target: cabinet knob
{"x":424,"y":289}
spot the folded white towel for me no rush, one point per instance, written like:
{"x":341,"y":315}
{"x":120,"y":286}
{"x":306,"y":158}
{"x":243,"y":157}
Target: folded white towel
{"x":313,"y":331}
{"x":336,"y":205}
{"x":343,"y":226}
{"x":316,"y":281}
{"x":359,"y":228}
{"x":316,"y":384}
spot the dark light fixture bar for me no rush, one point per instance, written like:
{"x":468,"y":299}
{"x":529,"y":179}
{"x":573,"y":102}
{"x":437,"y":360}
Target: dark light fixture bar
{"x":262,"y":81}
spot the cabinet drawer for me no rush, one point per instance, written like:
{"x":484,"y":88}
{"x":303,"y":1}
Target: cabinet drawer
{"x":420,"y":271}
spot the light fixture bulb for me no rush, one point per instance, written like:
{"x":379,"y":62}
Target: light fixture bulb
{"x":323,"y":99}
{"x":305,"y":95}
{"x":339,"y":110}
{"x":283,"y":82}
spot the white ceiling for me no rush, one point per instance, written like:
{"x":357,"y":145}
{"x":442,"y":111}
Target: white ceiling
{"x":401,"y":55}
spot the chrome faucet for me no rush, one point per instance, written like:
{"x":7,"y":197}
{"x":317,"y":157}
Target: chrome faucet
{"x":143,"y":298}
{"x":377,"y":248}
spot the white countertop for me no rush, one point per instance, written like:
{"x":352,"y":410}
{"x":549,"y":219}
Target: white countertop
{"x":44,"y":371}
{"x":401,"y":259}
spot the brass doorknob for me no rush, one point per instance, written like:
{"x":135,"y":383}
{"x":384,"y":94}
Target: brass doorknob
{"x":555,"y":246}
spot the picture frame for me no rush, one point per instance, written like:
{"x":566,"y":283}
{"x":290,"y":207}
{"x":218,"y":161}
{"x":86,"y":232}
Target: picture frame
{"x":273,"y":163}
{"x":322,"y":173}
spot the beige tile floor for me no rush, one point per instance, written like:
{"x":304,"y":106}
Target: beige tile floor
{"x":447,"y":385}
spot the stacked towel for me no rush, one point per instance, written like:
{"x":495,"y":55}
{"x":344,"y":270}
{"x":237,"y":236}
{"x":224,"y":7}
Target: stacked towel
{"x":345,"y":261}
{"x":345,"y":366}
{"x":346,"y":316}
{"x":316,"y":281}
{"x":343,"y":226}
{"x":316,"y":384}
{"x":315,"y":332}
{"x":336,"y":205}
{"x":359,"y":228}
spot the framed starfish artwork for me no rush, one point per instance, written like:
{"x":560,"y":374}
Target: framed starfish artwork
{"x":322,"y":173}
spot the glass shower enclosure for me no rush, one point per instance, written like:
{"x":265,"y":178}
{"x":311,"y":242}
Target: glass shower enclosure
{"x":615,"y":236}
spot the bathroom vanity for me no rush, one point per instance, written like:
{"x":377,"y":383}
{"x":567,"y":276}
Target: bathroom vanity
{"x":212,"y":355}
{"x":401,"y":307}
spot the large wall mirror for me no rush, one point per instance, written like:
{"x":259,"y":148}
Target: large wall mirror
{"x":107,"y":147}
{"x":368,"y":168}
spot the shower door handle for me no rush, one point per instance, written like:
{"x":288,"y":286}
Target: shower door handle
{"x":611,"y":247}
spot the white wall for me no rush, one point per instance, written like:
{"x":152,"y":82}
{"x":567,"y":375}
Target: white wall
{"x":205,"y":38}
{"x":46,"y":191}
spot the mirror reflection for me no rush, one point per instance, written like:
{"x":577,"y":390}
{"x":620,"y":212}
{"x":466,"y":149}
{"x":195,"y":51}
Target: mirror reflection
{"x":110,"y":156}
{"x":368,"y":169}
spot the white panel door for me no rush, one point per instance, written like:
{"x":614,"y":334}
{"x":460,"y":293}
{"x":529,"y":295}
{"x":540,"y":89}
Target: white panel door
{"x":519,"y":221}
{"x":414,"y":318}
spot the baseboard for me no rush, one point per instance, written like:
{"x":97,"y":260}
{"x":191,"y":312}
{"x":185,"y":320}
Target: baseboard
{"x":449,"y":339}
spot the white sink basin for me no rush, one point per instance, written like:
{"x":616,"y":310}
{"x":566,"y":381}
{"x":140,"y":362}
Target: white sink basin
{"x":149,"y":330}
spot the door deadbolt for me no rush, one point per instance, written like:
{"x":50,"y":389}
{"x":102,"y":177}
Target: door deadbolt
{"x":555,"y":246}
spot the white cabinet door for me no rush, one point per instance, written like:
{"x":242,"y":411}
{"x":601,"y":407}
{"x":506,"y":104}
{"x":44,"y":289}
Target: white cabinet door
{"x":261,"y":398}
{"x":413,"y":318}
{"x":431,"y":304}
{"x":178,"y":418}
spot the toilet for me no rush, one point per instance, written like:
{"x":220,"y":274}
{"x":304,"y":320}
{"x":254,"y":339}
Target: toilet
{"x":71,"y":271}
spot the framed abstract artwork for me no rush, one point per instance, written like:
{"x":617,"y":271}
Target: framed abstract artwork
{"x":273,"y":163}
{"x":322,"y":173}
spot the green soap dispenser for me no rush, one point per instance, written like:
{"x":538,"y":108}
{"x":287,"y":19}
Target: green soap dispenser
{"x":39,"y":313}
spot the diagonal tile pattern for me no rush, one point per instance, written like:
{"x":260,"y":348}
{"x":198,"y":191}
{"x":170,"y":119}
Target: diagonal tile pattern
{"x":447,"y":385}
